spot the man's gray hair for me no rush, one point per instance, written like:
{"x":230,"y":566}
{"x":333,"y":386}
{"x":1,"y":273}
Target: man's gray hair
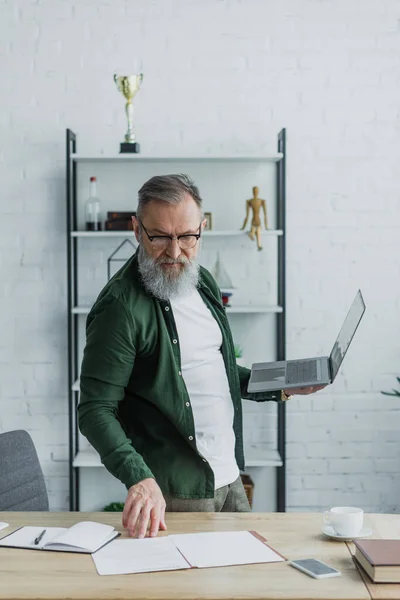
{"x":167,"y":188}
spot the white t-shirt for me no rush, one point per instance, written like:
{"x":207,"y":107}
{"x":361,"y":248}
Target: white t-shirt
{"x":203,"y":370}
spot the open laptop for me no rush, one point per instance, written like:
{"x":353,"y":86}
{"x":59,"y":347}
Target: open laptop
{"x":286,"y":374}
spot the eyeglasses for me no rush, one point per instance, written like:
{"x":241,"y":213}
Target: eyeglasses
{"x":161,"y":242}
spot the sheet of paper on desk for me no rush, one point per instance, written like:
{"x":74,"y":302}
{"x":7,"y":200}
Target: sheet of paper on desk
{"x":219,"y":549}
{"x":138,"y":556}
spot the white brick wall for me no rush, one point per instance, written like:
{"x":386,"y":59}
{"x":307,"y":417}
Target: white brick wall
{"x":220,"y":76}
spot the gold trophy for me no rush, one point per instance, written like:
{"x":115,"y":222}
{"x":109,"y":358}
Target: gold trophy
{"x":129,"y":85}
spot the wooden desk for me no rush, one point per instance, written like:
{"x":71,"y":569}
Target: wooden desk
{"x":34,"y":574}
{"x":383,"y":526}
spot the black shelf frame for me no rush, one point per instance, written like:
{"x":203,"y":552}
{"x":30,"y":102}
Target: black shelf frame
{"x":281,"y":323}
{"x":72,"y":293}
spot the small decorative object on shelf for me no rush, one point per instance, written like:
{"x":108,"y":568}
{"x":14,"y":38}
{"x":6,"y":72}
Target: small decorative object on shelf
{"x":225,"y":298}
{"x":255,"y":204}
{"x":119,"y":257}
{"x":223,"y":280}
{"x":119,"y":221}
{"x":93,"y":208}
{"x":248,"y":485}
{"x":129,"y":85}
{"x":208,"y":216}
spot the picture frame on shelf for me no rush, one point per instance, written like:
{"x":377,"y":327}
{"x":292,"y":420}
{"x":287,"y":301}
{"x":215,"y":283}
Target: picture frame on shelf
{"x":209,"y":218}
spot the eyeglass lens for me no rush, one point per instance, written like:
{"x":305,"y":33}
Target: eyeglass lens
{"x":186,"y":242}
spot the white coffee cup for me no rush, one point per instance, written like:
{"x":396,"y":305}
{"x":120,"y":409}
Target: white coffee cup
{"x":345,"y":520}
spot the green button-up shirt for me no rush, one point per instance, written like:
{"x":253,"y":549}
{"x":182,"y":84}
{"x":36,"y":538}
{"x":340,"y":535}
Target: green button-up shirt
{"x":133,"y":397}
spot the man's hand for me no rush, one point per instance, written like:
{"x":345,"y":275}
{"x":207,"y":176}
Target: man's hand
{"x":145,"y":503}
{"x":304,"y":391}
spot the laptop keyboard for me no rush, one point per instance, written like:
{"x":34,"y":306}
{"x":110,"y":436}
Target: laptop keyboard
{"x":301,"y":371}
{"x":264,"y":375}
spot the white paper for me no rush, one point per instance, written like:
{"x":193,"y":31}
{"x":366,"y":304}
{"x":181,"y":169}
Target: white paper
{"x":138,"y":556}
{"x":219,"y":549}
{"x":3,"y":525}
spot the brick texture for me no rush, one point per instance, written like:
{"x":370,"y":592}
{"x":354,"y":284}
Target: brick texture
{"x":222,"y":76}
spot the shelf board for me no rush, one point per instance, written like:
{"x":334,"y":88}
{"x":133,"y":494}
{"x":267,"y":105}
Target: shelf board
{"x":256,"y":457}
{"x":261,"y":457}
{"x":250,"y":309}
{"x":212,"y":233}
{"x":271,"y":157}
{"x":244,"y":309}
{"x":81,"y":310}
{"x":87,"y":458}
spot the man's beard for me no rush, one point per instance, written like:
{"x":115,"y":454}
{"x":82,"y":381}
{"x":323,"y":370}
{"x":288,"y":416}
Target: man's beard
{"x":167,"y":283}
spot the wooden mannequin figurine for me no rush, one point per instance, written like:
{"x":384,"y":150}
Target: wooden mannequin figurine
{"x":255,"y":204}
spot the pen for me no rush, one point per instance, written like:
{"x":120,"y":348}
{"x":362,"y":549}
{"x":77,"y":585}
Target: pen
{"x":39,"y":537}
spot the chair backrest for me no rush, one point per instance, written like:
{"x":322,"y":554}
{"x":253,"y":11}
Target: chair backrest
{"x":22,"y":485}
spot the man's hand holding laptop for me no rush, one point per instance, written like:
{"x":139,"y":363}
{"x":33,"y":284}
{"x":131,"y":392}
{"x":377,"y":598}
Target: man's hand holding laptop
{"x":304,"y":391}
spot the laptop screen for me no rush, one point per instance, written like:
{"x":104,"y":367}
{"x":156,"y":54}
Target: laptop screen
{"x":346,"y":334}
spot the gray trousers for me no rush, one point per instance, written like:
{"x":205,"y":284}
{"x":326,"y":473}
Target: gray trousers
{"x":230,"y":498}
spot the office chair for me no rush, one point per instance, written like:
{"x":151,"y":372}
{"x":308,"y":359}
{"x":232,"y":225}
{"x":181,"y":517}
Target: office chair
{"x":22,"y":484}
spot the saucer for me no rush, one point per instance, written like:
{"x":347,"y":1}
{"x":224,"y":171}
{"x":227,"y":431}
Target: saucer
{"x":330,"y":532}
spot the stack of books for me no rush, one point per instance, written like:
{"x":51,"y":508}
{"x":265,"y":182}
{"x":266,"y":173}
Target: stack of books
{"x":119,"y":221}
{"x":380,"y":559}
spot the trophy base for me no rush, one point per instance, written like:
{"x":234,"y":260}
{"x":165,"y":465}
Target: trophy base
{"x":127,"y":147}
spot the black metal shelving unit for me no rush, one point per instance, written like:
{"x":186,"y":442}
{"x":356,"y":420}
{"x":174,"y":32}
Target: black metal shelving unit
{"x":73,"y":317}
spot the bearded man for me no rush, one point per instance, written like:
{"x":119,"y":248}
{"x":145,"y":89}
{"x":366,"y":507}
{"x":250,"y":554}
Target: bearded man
{"x":160,"y":388}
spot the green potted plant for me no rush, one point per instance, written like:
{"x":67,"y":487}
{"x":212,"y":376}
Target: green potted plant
{"x":239,"y":355}
{"x":393,"y":392}
{"x":114,"y":507}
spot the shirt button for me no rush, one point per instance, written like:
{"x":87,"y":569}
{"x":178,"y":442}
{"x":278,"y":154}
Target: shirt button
{"x":187,"y":403}
{"x":191,"y":438}
{"x":204,"y":460}
{"x":174,"y":341}
{"x":179,"y":372}
{"x":167,"y":308}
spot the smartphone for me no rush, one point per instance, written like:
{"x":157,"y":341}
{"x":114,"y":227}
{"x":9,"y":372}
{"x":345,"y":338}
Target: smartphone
{"x":315,"y":568}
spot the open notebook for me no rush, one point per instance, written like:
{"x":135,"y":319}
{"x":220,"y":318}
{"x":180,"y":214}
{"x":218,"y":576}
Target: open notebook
{"x":86,"y":537}
{"x":184,"y":551}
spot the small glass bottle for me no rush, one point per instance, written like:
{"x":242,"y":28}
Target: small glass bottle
{"x":93,"y":208}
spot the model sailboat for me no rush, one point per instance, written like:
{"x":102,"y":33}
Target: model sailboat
{"x":223,"y":280}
